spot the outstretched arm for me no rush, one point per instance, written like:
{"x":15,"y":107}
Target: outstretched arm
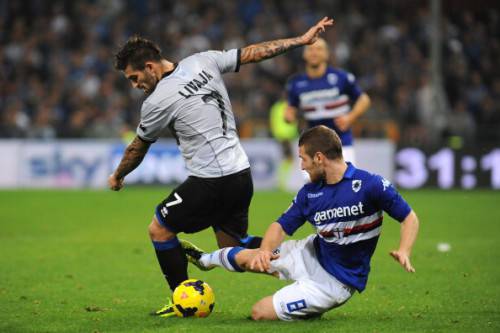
{"x":409,"y":231}
{"x":133,"y":156}
{"x":266,"y":50}
{"x":272,"y":239}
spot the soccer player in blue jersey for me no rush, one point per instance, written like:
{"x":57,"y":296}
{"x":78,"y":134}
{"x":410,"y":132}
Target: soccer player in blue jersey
{"x":325,"y":95}
{"x":345,"y":206}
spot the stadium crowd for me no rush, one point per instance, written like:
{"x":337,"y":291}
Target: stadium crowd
{"x":57,"y":78}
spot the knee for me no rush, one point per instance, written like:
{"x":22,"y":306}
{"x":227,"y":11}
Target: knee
{"x":257,"y":313}
{"x":260,"y":312}
{"x":159,"y":233}
{"x":264,"y":309}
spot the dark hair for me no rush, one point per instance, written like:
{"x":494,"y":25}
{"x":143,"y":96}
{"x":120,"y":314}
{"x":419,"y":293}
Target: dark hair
{"x":321,"y":139}
{"x":136,"y":52}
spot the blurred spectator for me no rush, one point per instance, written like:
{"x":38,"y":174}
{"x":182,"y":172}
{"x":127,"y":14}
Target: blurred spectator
{"x":461,"y":123}
{"x":13,"y":121}
{"x":57,"y":79}
{"x":42,"y":127}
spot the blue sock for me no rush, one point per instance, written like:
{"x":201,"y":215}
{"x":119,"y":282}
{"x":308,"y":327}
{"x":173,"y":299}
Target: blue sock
{"x":231,"y":255}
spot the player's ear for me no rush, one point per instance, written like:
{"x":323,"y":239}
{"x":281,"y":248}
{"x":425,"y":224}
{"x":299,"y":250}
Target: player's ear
{"x":149,"y":66}
{"x":318,"y":157}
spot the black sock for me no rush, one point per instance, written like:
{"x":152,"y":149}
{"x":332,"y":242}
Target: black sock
{"x":251,"y":242}
{"x":172,"y":260}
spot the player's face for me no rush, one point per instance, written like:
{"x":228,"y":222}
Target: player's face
{"x":311,"y":165}
{"x":317,"y":53}
{"x":141,"y":79}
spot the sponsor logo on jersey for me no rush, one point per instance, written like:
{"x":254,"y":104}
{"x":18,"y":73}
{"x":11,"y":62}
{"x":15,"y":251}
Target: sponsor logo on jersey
{"x":318,"y":95}
{"x":196,"y":84}
{"x":343,"y":211}
{"x":356,"y":185}
{"x":314,"y":195}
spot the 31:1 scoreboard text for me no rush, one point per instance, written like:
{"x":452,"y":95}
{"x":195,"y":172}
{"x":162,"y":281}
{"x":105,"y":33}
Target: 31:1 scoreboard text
{"x":447,"y":168}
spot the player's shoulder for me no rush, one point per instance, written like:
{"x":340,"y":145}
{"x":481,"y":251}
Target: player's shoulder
{"x":192,"y":58}
{"x":336,"y":70}
{"x":374,"y":181}
{"x":361,"y":173}
{"x":202,"y":56}
{"x":341,"y":73}
{"x":208,"y":55}
{"x":365,"y":174}
{"x":160,"y":98}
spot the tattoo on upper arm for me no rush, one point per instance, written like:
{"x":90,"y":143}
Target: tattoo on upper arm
{"x":133,"y":156}
{"x":266,"y":50}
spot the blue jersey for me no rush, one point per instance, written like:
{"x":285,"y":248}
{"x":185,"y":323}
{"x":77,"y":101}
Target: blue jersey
{"x":322,"y":99}
{"x":347,"y":217}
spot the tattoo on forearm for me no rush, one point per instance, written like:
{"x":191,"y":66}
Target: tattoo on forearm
{"x":266,"y":50}
{"x":133,"y":156}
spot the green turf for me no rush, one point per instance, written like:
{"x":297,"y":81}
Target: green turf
{"x":81,"y":261}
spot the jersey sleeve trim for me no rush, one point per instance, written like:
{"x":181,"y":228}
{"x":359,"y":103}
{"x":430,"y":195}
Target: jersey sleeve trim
{"x":238,"y":61}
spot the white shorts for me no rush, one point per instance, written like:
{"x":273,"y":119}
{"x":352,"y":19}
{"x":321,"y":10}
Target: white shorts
{"x":314,"y":291}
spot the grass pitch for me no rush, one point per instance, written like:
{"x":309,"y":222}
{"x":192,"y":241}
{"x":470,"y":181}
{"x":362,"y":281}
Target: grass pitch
{"x":81,"y":261}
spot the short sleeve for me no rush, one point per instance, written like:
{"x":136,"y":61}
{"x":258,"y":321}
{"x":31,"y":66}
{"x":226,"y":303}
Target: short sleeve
{"x":293,"y":218}
{"x":387,"y":198}
{"x":352,"y":88}
{"x":153,"y":120}
{"x":226,"y":61}
{"x":291,"y":94}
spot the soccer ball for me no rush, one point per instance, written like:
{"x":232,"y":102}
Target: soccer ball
{"x":193,"y":298}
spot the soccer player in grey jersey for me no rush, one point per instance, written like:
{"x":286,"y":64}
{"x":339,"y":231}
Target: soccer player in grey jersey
{"x":191,"y":100}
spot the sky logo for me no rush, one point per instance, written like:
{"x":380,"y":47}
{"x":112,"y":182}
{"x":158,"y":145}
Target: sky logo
{"x":62,"y":169}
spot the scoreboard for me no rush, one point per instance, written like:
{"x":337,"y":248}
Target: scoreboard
{"x":447,"y":168}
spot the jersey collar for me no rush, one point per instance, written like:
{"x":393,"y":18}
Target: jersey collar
{"x":169,"y":72}
{"x":349,"y":173}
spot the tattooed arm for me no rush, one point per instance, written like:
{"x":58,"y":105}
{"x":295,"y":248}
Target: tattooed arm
{"x":265,"y":50}
{"x":133,"y":156}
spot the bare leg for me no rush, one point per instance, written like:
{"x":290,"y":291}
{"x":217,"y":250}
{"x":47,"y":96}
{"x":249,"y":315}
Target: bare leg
{"x":264,"y":309}
{"x":225,"y":240}
{"x":159,"y":233}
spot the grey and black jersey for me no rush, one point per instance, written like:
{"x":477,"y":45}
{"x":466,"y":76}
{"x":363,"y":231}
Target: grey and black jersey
{"x":192,"y":101}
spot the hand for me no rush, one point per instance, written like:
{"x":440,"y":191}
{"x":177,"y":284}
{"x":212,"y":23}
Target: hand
{"x":114,"y":183}
{"x":262,"y":261}
{"x":312,"y":34}
{"x":343,"y":122}
{"x":404,"y":259}
{"x":290,"y":115}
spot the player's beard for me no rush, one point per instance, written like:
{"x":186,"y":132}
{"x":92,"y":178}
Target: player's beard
{"x":151,"y":83}
{"x":317,"y":175}
{"x":313,"y":65}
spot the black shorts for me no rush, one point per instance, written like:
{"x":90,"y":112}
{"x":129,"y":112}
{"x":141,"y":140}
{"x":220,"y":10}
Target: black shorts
{"x":199,"y":203}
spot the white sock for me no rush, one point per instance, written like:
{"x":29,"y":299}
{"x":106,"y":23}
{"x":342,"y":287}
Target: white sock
{"x":221,"y":258}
